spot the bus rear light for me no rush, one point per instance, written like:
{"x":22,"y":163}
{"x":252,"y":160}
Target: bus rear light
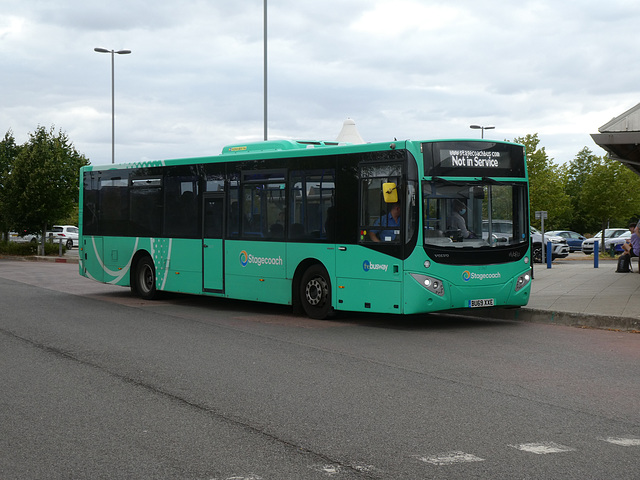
{"x":432,"y":284}
{"x":522,"y":281}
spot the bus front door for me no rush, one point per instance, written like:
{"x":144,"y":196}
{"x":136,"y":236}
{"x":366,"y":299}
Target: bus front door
{"x":213,"y":244}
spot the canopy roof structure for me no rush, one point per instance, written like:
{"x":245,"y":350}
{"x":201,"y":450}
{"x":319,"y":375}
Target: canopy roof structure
{"x":620,"y":137}
{"x":349,"y":133}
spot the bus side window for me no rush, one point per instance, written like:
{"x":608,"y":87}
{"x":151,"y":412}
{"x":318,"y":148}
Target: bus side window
{"x":379,"y":221}
{"x":213,"y":218}
{"x":311,"y":196}
{"x":233,"y":221}
{"x":181,"y":206}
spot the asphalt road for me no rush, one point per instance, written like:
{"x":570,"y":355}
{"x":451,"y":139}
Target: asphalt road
{"x":98,"y":384}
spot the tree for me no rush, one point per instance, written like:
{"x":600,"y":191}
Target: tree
{"x":611,"y":194}
{"x":43,"y":185}
{"x":546,"y":191}
{"x":575,"y":175}
{"x":8,"y":153}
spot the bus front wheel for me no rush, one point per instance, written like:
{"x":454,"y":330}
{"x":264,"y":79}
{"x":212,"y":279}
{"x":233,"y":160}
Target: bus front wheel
{"x":315,"y":293}
{"x":145,"y":279}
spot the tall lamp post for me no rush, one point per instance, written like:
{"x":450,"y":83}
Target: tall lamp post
{"x":483,"y":128}
{"x":264,"y":41}
{"x":113,"y":108}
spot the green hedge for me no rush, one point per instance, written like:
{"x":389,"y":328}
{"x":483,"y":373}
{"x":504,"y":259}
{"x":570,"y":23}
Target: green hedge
{"x":29,"y":248}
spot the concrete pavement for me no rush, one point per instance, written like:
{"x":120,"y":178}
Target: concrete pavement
{"x":571,"y":292}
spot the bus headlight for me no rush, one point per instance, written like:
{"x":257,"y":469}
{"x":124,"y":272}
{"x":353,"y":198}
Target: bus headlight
{"x":523,"y":280}
{"x":432,"y":284}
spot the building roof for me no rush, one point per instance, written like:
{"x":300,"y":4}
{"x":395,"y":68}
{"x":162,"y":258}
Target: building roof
{"x":620,"y":137}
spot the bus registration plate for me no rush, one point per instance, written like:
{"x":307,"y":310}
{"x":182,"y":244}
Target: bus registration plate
{"x":483,"y":302}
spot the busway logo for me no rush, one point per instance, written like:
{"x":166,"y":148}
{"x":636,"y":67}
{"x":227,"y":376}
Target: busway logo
{"x":467,"y":275}
{"x":247,"y":258}
{"x":367,"y":265}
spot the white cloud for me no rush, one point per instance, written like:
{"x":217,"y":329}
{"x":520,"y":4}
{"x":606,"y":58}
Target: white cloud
{"x":392,"y":19}
{"x":405,"y":69}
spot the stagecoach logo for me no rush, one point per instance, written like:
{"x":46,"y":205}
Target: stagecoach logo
{"x":246,"y":258}
{"x":467,"y":275}
{"x":367,"y":265}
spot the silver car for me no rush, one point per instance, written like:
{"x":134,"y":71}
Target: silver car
{"x":587,"y":245}
{"x":559,"y":245}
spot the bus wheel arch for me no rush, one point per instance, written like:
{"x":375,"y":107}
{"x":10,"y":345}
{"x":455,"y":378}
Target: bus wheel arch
{"x":143,"y":276}
{"x":312,"y":290}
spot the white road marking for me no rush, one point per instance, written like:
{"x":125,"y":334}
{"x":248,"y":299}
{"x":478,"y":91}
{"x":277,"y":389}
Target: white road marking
{"x":366,"y":469}
{"x":327,"y":468}
{"x":623,"y":441}
{"x":543,"y":448}
{"x":449,"y":458}
{"x":242,"y":477}
{"x":335,"y":469}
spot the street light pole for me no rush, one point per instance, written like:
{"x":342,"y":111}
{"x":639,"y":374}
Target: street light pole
{"x":483,"y":128}
{"x":113,"y":101}
{"x":265,"y":68}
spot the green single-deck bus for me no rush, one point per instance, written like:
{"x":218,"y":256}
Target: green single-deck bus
{"x":395,"y":227}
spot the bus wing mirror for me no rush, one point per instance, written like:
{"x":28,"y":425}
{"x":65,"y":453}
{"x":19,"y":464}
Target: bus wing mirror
{"x":390,"y":192}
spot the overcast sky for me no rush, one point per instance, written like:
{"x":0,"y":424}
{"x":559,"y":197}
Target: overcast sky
{"x":409,"y":69}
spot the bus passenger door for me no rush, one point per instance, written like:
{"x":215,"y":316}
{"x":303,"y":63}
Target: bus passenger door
{"x":213,"y":244}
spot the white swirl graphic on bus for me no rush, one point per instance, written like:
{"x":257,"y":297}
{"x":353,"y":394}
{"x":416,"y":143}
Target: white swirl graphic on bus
{"x":246,"y":258}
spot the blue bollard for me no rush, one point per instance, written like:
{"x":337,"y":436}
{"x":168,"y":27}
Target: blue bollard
{"x":549,"y":255}
{"x":596,"y":254}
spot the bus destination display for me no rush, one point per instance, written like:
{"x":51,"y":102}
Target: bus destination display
{"x":473,"y":159}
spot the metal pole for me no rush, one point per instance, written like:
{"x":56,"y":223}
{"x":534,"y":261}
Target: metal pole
{"x":542,"y":239}
{"x":113,"y":110}
{"x":113,"y":96}
{"x":265,"y":70}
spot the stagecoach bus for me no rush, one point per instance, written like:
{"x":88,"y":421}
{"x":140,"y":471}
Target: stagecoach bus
{"x":394,"y":227}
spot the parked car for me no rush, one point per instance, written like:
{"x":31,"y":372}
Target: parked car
{"x":501,"y":231}
{"x":574,"y":240}
{"x":617,"y":242}
{"x":68,"y":234}
{"x":559,"y":246}
{"x":22,"y":238}
{"x":587,"y":245}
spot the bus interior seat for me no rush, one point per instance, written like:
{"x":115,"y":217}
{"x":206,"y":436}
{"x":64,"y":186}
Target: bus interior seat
{"x":276,"y":231}
{"x":296,"y":230}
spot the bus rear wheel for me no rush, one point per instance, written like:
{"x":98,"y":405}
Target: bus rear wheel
{"x":315,"y":293}
{"x":144,"y":279}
